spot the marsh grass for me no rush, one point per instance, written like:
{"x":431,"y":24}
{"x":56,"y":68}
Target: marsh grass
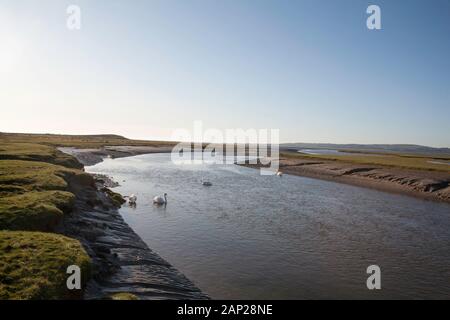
{"x":35,"y":184}
{"x":123,"y":296}
{"x":33,"y":175}
{"x":116,"y":198}
{"x":37,"y":152}
{"x":33,"y":194}
{"x":33,"y":265}
{"x":78,"y":141}
{"x":34,"y":210}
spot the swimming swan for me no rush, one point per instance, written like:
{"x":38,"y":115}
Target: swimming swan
{"x":160,"y":200}
{"x":132,"y":199}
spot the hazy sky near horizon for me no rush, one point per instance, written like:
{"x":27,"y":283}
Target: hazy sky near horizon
{"x":309,"y":68}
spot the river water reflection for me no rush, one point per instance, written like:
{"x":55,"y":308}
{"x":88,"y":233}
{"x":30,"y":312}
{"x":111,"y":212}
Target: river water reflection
{"x":266,"y":237}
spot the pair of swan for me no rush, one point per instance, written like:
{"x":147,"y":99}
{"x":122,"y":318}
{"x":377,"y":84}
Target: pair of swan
{"x":132,"y":199}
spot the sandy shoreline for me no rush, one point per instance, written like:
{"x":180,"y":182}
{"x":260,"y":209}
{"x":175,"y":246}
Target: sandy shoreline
{"x":122,"y":262}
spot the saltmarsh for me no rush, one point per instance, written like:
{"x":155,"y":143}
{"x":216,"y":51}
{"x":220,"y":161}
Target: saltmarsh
{"x":78,"y":141}
{"x":33,"y":265}
{"x":36,"y":152}
{"x":33,"y":195}
{"x":34,"y":210}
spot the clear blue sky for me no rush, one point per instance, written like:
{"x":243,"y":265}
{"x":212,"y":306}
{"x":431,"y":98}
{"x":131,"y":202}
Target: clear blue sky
{"x":309,"y":68}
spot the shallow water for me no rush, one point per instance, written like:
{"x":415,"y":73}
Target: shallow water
{"x":335,"y":152}
{"x":322,"y":151}
{"x":440,"y":162}
{"x":260,"y":237}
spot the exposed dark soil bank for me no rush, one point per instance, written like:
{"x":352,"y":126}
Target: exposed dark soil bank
{"x":431,"y":185}
{"x":122,"y":262}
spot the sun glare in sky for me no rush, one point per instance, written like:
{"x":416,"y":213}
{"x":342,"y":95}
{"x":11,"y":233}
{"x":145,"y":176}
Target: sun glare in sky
{"x":313,"y":70}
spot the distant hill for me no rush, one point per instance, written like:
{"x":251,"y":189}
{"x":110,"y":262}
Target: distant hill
{"x":379,"y":148}
{"x":59,"y":136}
{"x":80,"y":141}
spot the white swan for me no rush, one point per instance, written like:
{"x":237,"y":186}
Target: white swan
{"x":160,"y":200}
{"x":132,"y":199}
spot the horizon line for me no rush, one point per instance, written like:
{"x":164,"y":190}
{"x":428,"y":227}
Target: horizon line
{"x":162,"y":139}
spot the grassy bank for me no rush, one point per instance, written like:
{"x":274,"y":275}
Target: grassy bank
{"x":34,"y":196}
{"x":33,"y":265}
{"x":36,"y":152}
{"x":38,"y":188}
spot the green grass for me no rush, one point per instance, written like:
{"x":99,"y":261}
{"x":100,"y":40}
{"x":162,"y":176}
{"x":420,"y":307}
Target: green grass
{"x":394,"y":160}
{"x":34,"y":195}
{"x":78,"y":141}
{"x":34,"y":210}
{"x":33,"y":265}
{"x":124,"y":296}
{"x":116,"y":198}
{"x":32,"y":175}
{"x":37,"y":152}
